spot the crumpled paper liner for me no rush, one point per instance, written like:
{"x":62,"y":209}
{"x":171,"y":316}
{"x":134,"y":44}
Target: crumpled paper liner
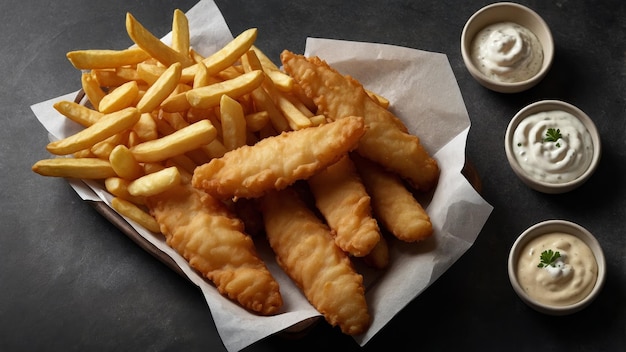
{"x":423,"y":93}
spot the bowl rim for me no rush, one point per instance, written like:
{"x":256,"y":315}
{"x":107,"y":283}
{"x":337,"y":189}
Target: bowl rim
{"x":548,"y":226}
{"x":549,"y":105}
{"x":507,"y":87}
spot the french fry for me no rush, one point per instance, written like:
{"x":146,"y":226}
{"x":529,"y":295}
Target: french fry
{"x":161,"y":89}
{"x":104,"y":128}
{"x":108,"y":78}
{"x":225,"y":57}
{"x":77,"y":112}
{"x":124,"y":163}
{"x":382,"y":101}
{"x":128,"y":73}
{"x":119,"y":98}
{"x":135,"y":213}
{"x":100,"y":59}
{"x":146,"y":128}
{"x":295,"y":118}
{"x":118,"y":187}
{"x":179,"y":142}
{"x":180,"y":32}
{"x":153,"y":45}
{"x":84,"y":168}
{"x":233,"y":123}
{"x":257,"y":120}
{"x":149,"y":73}
{"x":92,"y":89}
{"x":155,"y":183}
{"x":209,"y":96}
{"x":281,"y":80}
{"x":176,"y":103}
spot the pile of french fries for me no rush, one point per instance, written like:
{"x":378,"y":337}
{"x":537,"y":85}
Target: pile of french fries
{"x":156,"y":111}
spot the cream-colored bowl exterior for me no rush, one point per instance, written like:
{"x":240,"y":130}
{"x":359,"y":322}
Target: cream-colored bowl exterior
{"x":507,"y":12}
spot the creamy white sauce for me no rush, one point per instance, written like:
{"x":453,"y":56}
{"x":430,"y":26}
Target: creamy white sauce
{"x":570,"y":280}
{"x":507,"y":52}
{"x":553,"y":162}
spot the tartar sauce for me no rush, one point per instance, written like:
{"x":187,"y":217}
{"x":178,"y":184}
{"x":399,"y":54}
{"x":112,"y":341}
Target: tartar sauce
{"x":572,"y":277}
{"x":507,"y":52}
{"x":556,"y":161}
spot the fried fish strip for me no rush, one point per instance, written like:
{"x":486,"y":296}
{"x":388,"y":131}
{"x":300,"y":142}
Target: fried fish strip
{"x":211,"y":239}
{"x":278,"y":161}
{"x":305,"y":249}
{"x":393,"y":204}
{"x":343,"y":201}
{"x":386,"y":140}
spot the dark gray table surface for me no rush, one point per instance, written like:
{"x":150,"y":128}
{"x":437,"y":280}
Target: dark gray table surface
{"x":72,"y":281}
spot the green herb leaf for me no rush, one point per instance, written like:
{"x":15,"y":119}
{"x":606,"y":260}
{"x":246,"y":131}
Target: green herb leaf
{"x":548,"y":257}
{"x":553,"y":135}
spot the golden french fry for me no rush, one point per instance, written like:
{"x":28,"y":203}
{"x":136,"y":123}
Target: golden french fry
{"x":146,"y":128}
{"x":135,"y":213}
{"x":263,"y":58}
{"x":179,"y":142}
{"x":127,"y":73}
{"x":296,"y":119}
{"x":257,"y":120}
{"x":104,"y":128}
{"x":150,"y":168}
{"x":233,"y":123}
{"x":77,"y":112}
{"x":155,"y":183}
{"x":202,"y":77}
{"x":85,"y":168}
{"x":318,"y":120}
{"x":153,"y":45}
{"x":92,"y":89}
{"x":382,"y":101}
{"x":263,"y":99}
{"x":225,"y":57}
{"x":124,"y":163}
{"x":281,"y":80}
{"x":176,"y":103}
{"x":99,"y":59}
{"x":161,"y":89}
{"x":215,"y":149}
{"x":108,"y":78}
{"x":209,"y":96}
{"x":180,"y":32}
{"x":149,"y":73}
{"x":119,"y":98}
{"x":118,"y":187}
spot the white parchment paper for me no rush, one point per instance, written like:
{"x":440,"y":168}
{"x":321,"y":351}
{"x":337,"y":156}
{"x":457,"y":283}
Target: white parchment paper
{"x":424,"y":94}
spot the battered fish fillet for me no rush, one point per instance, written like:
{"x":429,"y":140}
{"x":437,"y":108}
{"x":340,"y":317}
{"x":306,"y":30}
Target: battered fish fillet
{"x":305,"y":249}
{"x":278,"y":161}
{"x":212,"y":240}
{"x":386,"y":140}
{"x":394,"y":206}
{"x":343,"y":201}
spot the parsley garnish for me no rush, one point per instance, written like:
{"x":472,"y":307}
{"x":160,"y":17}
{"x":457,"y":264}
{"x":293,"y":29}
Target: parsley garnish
{"x":553,"y":135}
{"x":548,"y":257}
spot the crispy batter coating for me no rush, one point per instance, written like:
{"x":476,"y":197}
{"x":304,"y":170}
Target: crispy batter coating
{"x":305,"y":249}
{"x":394,"y":206}
{"x":211,"y":239}
{"x":386,"y":140}
{"x":277,"y":162}
{"x":343,"y":201}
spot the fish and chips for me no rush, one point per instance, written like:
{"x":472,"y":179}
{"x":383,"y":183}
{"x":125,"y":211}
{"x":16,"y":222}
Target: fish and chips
{"x":206,"y":150}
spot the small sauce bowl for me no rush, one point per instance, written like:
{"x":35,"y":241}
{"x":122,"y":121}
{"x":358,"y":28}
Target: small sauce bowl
{"x":507,"y":12}
{"x":547,"y":227}
{"x":545,"y":106}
